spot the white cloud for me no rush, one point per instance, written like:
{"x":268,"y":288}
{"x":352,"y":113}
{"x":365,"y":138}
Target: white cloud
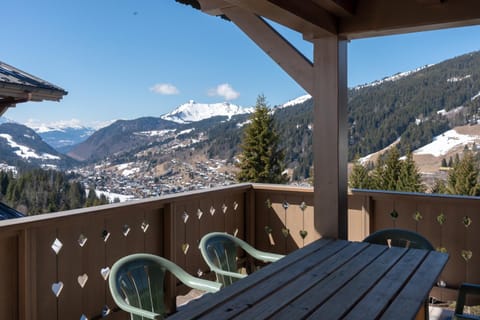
{"x":165,"y":88}
{"x":224,"y":90}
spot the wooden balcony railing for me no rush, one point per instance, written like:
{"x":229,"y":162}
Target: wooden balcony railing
{"x":55,"y":266}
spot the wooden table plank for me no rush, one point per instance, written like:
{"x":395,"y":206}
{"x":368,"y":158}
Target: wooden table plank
{"x":331,"y":280}
{"x":202,"y":306}
{"x":410,"y":298}
{"x":263,"y":289}
{"x":359,"y":286}
{"x":385,"y":290}
{"x":281,"y":296}
{"x":307,"y":302}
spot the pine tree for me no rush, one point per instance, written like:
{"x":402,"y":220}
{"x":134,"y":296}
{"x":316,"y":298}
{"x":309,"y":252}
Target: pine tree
{"x":261,"y":160}
{"x":359,"y":177}
{"x":387,"y":171}
{"x":409,"y":178}
{"x":463,"y":178}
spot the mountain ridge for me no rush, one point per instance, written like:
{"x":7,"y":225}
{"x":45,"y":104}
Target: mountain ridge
{"x":413,"y":106}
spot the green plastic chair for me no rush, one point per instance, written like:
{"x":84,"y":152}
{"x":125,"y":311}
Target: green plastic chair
{"x":405,"y":239}
{"x":136,"y":284}
{"x":465,"y":288}
{"x":399,"y":238}
{"x":219,"y":250}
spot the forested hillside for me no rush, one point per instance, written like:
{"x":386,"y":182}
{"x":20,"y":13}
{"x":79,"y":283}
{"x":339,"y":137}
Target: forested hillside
{"x":415,"y":106}
{"x":40,"y":191}
{"x":409,"y":106}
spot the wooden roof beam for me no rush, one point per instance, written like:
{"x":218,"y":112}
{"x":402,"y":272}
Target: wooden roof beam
{"x":305,"y":17}
{"x":380,"y":17}
{"x":278,"y":48}
{"x":340,"y":8}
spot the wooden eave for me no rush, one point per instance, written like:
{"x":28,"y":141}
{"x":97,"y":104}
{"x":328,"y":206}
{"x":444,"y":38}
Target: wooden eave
{"x":354,"y":19}
{"x":17,"y":86}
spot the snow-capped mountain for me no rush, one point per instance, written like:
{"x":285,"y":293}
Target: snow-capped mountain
{"x":193,"y":111}
{"x":295,"y":101}
{"x":19,"y":143}
{"x":395,"y":77}
{"x":62,"y":135}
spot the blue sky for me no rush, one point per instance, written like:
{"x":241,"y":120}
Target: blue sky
{"x":124,"y":59}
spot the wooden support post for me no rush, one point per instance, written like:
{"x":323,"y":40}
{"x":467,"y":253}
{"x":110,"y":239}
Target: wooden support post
{"x":330,"y":137}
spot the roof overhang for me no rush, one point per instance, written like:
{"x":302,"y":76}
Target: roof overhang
{"x":17,"y":86}
{"x":354,"y":19}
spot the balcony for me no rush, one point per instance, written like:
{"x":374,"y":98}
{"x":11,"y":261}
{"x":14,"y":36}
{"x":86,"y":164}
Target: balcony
{"x":55,"y":266}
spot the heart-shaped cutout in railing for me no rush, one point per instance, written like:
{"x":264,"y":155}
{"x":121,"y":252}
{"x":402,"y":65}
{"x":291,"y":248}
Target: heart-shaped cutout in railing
{"x":57,"y":288}
{"x":126,"y":230}
{"x":144,"y":226}
{"x":105,"y":272}
{"x":185,"y":248}
{"x":106,"y":311}
{"x":82,"y":240}
{"x":82,"y":279}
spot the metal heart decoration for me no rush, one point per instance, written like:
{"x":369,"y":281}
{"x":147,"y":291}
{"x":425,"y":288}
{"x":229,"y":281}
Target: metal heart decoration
{"x":105,"y":272}
{"x":441,"y":218}
{"x":82,"y":279}
{"x":285,"y":205}
{"x":303,"y":234}
{"x":417,"y":216}
{"x":57,"y":288}
{"x":285,"y":232}
{"x":441,"y":249}
{"x":467,"y":221}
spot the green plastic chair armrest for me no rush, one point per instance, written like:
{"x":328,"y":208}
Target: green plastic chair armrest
{"x":257,"y":254}
{"x":228,"y":273}
{"x":191,"y":281}
{"x":262,"y":255}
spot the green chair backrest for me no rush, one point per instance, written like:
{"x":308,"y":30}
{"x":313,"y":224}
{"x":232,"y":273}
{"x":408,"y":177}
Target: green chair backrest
{"x":140,"y":280}
{"x":136,"y":284}
{"x":221,"y":251}
{"x":399,"y":238}
{"x":405,"y":239}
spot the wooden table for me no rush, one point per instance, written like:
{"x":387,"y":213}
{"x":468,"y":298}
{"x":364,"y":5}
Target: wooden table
{"x":328,"y":279}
